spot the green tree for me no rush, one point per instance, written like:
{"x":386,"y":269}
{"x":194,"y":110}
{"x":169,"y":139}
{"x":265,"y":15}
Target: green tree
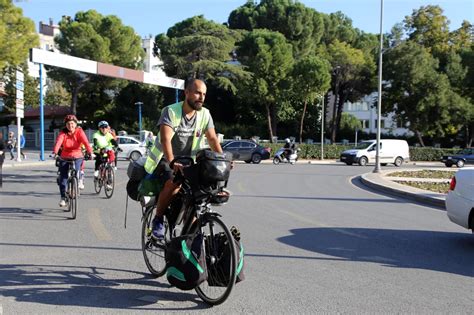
{"x":30,"y":88}
{"x":100,"y":38}
{"x":17,"y":35}
{"x":268,"y":56}
{"x":352,"y":77}
{"x":310,"y":79}
{"x":419,"y":94}
{"x":429,"y":28}
{"x":56,"y":94}
{"x":337,"y":26}
{"x":302,"y":26}
{"x":200,"y":48}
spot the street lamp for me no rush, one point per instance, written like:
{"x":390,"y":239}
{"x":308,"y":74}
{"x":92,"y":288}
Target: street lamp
{"x":379,"y":103}
{"x":322,"y":127}
{"x":139,"y":104}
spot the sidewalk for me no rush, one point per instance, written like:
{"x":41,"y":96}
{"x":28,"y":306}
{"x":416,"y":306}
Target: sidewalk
{"x":379,"y":181}
{"x":32,"y":159}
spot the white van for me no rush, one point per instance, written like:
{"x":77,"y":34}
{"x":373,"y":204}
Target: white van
{"x":391,"y":151}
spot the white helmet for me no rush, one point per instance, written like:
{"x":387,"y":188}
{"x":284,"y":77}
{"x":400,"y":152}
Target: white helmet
{"x":287,"y":140}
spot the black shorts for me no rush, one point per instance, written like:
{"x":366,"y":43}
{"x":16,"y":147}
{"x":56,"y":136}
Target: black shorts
{"x":163,"y":171}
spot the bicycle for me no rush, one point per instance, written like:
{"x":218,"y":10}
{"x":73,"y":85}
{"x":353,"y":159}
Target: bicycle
{"x":72,"y":186}
{"x":191,"y":212}
{"x":106,"y":177}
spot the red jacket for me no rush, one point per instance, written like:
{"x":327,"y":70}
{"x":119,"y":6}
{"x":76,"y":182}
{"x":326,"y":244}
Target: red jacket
{"x":71,"y":143}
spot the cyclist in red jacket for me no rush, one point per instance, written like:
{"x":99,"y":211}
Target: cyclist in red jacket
{"x":69,"y":141}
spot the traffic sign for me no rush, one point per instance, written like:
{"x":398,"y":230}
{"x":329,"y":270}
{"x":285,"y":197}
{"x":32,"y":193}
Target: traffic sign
{"x":20,"y":85}
{"x":20,"y":103}
{"x":19,"y":94}
{"x":19,"y":76}
{"x":20,"y":113}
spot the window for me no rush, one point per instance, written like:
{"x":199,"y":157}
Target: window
{"x":233,"y":145}
{"x":247,"y":145}
{"x":364,"y":123}
{"x":382,"y":123}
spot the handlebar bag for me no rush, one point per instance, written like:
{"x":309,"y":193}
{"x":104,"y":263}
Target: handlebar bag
{"x":213,"y":166}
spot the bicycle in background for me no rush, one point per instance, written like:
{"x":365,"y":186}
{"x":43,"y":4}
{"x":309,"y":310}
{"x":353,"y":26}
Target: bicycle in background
{"x":106,"y":176}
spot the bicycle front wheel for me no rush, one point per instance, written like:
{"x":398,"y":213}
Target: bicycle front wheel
{"x":153,"y":251}
{"x":109,"y":180}
{"x":73,"y":192}
{"x":221,"y":260}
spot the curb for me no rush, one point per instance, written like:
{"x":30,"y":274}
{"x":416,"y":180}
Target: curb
{"x":377,"y":182}
{"x":27,"y":164}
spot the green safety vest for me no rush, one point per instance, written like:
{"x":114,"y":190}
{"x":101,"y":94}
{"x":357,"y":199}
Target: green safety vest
{"x":103,"y":141}
{"x":176,"y":111}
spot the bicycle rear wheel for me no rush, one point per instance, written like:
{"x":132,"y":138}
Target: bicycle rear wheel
{"x":221,"y":270}
{"x":72,"y":192}
{"x":109,"y":181}
{"x":153,"y":251}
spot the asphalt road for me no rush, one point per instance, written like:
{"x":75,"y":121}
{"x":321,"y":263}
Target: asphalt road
{"x":316,"y":241}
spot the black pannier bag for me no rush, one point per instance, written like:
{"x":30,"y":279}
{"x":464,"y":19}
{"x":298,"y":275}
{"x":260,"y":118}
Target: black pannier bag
{"x":218,"y":272}
{"x":136,"y":169}
{"x":132,"y":189}
{"x":186,"y":261}
{"x":213,"y":167}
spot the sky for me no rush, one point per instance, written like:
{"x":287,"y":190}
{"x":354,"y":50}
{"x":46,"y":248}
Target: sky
{"x":152,"y":17}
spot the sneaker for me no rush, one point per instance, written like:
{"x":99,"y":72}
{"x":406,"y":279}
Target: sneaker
{"x":81,"y":184}
{"x":115,"y":168}
{"x":158,"y":229}
{"x":96,"y":174}
{"x":108,"y":187}
{"x":62,"y":202}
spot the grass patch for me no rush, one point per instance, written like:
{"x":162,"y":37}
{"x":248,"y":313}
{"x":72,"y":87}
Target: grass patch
{"x":424,"y":174}
{"x":441,"y":188}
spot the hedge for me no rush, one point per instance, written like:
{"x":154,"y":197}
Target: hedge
{"x":333,"y":151}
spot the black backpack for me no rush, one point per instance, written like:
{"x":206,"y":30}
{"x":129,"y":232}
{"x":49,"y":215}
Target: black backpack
{"x":186,"y":261}
{"x":223,"y":261}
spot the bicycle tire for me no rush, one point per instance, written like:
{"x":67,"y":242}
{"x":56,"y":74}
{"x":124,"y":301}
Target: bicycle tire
{"x":73,"y":191}
{"x":214,"y":295}
{"x":97,"y":185}
{"x":153,"y":252}
{"x":109,"y":181}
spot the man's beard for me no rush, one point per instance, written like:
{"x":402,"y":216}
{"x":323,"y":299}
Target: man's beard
{"x":195,"y":105}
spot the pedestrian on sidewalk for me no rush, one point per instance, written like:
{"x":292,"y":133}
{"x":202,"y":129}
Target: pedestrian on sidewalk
{"x":2,"y":157}
{"x":22,"y":146}
{"x":11,"y":144}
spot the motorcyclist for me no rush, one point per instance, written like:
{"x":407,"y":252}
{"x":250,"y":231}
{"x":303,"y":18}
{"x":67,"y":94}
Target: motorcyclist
{"x":288,"y":148}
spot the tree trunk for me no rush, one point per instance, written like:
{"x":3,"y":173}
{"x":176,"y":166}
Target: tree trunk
{"x":269,"y":120}
{"x":74,"y":94}
{"x":302,"y":120}
{"x":340,"y":107}
{"x":420,"y":139}
{"x":334,"y":115}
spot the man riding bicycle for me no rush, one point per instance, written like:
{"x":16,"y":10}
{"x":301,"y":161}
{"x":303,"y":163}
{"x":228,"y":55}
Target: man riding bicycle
{"x":103,"y":144}
{"x":182,"y":129}
{"x":70,"y":140}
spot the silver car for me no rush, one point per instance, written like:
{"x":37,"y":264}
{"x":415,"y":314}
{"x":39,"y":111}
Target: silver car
{"x":131,"y":148}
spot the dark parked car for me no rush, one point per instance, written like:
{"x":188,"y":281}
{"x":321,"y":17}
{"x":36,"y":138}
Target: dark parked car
{"x":247,"y":150}
{"x":465,"y":156}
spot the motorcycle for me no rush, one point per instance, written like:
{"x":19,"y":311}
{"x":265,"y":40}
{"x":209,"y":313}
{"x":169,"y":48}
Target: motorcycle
{"x":280,"y":156}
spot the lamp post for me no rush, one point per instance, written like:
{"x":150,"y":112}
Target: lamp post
{"x":139,"y":104}
{"x":322,"y":127}
{"x":379,"y":103}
